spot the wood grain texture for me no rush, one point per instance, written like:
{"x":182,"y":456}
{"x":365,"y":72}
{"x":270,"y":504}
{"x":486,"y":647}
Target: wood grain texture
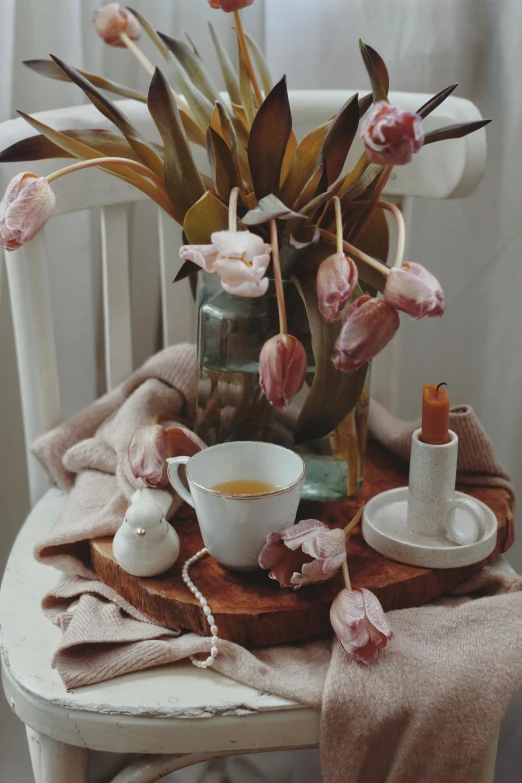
{"x":253,"y":610}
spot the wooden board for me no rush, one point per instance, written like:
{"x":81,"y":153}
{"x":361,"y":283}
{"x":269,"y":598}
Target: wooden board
{"x":253,"y":610}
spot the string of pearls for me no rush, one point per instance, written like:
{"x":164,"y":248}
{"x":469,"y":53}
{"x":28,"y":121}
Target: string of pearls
{"x":206,"y":608}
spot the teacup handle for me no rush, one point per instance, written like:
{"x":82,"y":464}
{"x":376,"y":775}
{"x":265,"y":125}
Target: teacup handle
{"x":172,"y":470}
{"x":477,"y":515}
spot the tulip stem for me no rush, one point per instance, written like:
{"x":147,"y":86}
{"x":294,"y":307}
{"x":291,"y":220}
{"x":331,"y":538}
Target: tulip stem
{"x":276,"y":262}
{"x":338,"y":224}
{"x":401,"y":231}
{"x":350,"y":527}
{"x":163,"y":196}
{"x":232,"y":209}
{"x":346,"y":576}
{"x":138,"y":54}
{"x":373,"y":262}
{"x":396,"y":212}
{"x":376,"y":195}
{"x":246,"y":56}
{"x":144,"y":60}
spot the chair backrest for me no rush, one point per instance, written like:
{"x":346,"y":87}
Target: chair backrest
{"x":439,"y":171}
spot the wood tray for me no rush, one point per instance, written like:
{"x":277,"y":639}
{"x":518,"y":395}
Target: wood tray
{"x":253,"y":610}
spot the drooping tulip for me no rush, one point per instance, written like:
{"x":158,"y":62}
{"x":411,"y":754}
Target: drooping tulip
{"x":305,"y":553}
{"x":240,"y":258}
{"x":111,"y":20}
{"x":360,"y":624}
{"x":26,"y":207}
{"x":151,"y":445}
{"x":336,"y":280}
{"x":390,"y":135}
{"x":368,"y":326}
{"x":414,"y":290}
{"x":230,"y":5}
{"x":282,"y":369}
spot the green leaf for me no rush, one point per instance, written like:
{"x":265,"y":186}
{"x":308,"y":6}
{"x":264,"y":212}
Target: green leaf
{"x":268,"y":139}
{"x":261,"y":64}
{"x":432,"y":104}
{"x":145,"y":151}
{"x":221,"y":164}
{"x":188,"y":269}
{"x":78,"y":149}
{"x":193,"y":66}
{"x":209,"y":214}
{"x":454,"y":131}
{"x":333,"y":394}
{"x":245,"y":88}
{"x":199,"y":105}
{"x":377,"y":72}
{"x":41,"y":147}
{"x":51,"y":70}
{"x":229,"y":134}
{"x":151,"y":32}
{"x":228,"y":70}
{"x":269,"y":208}
{"x":182,"y":179}
{"x":339,"y":139}
{"x":307,"y":158}
{"x":364,"y":104}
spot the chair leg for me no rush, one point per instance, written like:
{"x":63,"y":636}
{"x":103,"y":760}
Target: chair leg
{"x":55,"y":762}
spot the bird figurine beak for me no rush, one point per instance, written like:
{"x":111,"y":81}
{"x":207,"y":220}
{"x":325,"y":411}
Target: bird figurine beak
{"x":140,"y":532}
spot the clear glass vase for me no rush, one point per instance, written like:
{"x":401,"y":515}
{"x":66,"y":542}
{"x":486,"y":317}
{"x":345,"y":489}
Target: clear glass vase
{"x":232,"y":406}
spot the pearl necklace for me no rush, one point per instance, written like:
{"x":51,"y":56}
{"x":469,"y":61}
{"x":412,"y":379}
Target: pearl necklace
{"x":206,"y":608}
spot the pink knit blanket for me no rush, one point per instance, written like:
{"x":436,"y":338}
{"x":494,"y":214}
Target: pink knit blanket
{"x":426,"y":711}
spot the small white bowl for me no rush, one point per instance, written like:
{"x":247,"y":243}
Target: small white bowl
{"x":385,"y":529}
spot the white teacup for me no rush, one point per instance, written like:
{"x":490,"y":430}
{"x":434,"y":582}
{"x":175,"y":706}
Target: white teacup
{"x":235,"y":527}
{"x":432,"y":504}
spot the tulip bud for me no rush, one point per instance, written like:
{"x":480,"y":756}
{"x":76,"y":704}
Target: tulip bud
{"x":360,"y":624}
{"x":230,"y":5}
{"x":306,"y":553}
{"x":148,"y":453}
{"x":390,"y":135}
{"x":151,"y":445}
{"x":414,"y":290}
{"x":111,"y":20}
{"x":282,"y":369}
{"x":368,"y":326}
{"x":26,"y":207}
{"x":336,"y":281}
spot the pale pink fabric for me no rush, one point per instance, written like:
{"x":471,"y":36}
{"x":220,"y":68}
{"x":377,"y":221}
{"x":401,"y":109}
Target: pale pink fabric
{"x":426,"y":711}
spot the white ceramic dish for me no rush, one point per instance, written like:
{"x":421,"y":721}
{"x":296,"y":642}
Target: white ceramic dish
{"x":385,"y":530}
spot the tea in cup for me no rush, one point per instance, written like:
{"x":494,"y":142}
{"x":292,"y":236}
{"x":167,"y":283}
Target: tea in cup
{"x":241,"y":492}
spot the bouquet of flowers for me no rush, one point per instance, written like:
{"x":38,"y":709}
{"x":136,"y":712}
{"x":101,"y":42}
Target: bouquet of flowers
{"x":273,"y":206}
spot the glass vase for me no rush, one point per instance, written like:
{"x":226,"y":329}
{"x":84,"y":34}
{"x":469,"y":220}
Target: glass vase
{"x":231,"y":405}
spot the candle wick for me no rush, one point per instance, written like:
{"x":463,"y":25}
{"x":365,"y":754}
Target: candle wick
{"x":439,"y":385}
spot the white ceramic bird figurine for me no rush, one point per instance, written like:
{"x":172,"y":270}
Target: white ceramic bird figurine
{"x":145,"y":544}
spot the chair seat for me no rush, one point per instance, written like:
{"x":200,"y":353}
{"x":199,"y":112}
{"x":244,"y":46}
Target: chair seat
{"x":168,"y":709}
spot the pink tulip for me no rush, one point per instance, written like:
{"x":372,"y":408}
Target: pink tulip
{"x":282,"y":369}
{"x":390,"y":135}
{"x":368,"y":326}
{"x":361,"y":626}
{"x":414,"y":290}
{"x":306,"y":553}
{"x":111,"y":20}
{"x":26,"y":207}
{"x":336,"y":281}
{"x":240,"y":258}
{"x":230,"y":5}
{"x":151,"y":445}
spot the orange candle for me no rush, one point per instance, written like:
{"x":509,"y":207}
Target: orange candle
{"x":435,"y":414}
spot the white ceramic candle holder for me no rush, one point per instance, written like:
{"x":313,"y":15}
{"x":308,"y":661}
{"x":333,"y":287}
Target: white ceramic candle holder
{"x":429,"y":524}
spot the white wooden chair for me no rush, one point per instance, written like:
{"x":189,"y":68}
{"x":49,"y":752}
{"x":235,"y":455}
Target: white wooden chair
{"x":175,"y":715}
